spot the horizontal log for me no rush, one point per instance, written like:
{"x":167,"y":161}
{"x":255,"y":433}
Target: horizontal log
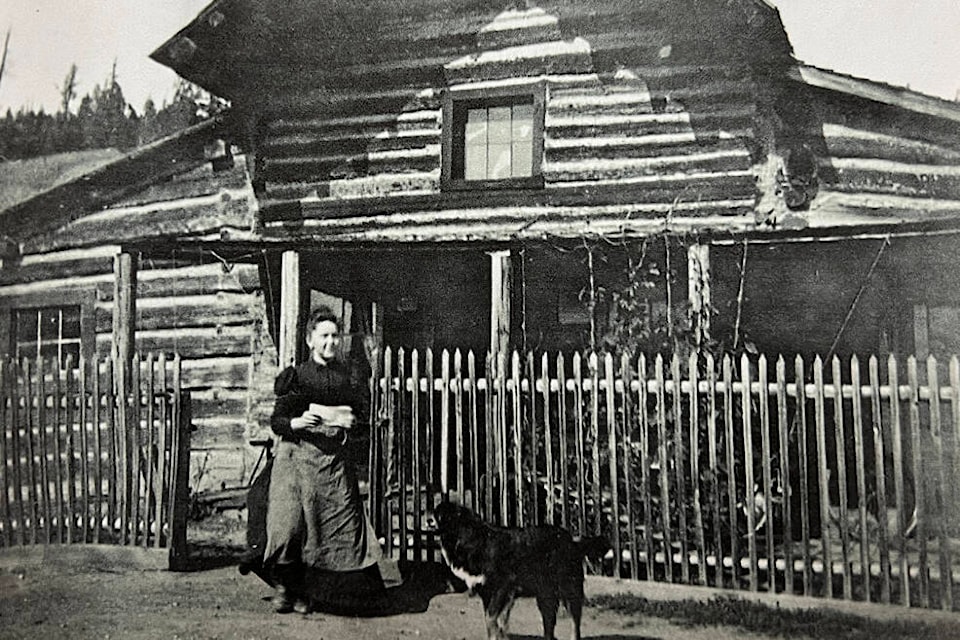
{"x":103,"y":284}
{"x":214,"y":310}
{"x":197,"y":280}
{"x":189,"y":343}
{"x":199,"y":182}
{"x":218,"y":403}
{"x":218,"y":431}
{"x":187,"y":217}
{"x":305,"y":105}
{"x":649,"y":146}
{"x":848,"y":142}
{"x":655,"y":188}
{"x":224,"y":373}
{"x":700,"y":162}
{"x":59,"y":264}
{"x":384,"y":184}
{"x":884,"y":176}
{"x":371,"y":124}
{"x":522,"y":61}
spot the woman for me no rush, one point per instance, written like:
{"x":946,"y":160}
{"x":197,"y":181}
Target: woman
{"x":316,"y":527}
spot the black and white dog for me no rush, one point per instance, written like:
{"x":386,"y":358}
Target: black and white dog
{"x":501,"y":563}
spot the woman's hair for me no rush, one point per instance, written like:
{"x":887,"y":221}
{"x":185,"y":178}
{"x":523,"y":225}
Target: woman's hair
{"x":322,"y":314}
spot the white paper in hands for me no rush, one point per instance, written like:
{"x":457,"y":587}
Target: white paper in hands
{"x":340,"y":416}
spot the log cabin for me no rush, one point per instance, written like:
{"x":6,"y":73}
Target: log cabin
{"x":465,"y":175}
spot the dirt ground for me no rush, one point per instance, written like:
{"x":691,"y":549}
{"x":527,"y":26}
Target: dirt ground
{"x":213,"y":600}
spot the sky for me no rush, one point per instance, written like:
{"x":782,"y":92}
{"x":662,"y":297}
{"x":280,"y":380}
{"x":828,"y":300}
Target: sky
{"x":913,"y":43}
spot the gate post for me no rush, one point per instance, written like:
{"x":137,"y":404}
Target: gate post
{"x":180,"y":485}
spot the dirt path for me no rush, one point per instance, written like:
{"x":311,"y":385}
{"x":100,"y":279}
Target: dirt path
{"x":44,"y":602}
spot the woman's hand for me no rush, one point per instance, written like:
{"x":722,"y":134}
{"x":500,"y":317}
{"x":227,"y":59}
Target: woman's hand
{"x":313,"y":423}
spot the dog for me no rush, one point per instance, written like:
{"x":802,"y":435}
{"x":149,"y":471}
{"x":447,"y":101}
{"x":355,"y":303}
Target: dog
{"x":500,"y":563}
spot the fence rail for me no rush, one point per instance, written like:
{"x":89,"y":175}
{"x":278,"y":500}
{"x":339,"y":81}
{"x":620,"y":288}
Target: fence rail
{"x":94,"y":452}
{"x":834,"y":479}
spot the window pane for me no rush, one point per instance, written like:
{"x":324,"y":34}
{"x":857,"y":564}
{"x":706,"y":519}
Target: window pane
{"x":49,"y":351}
{"x":26,"y":350}
{"x":73,"y":351}
{"x":522,"y":159}
{"x":476,"y":130}
{"x":500,"y":128}
{"x":499,"y":159}
{"x":475,"y":162}
{"x":26,"y":327}
{"x":49,"y":324}
{"x":71,"y":322}
{"x":522,"y":122}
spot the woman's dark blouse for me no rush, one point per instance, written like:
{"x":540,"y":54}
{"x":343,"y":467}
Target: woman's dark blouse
{"x":298,"y":386}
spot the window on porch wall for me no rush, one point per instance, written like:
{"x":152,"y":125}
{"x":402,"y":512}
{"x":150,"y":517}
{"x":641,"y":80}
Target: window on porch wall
{"x":47,"y":332}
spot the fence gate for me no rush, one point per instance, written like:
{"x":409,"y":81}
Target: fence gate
{"x":94,"y":453}
{"x":833,"y":479}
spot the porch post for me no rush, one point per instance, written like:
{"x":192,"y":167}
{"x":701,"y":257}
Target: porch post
{"x":500,"y":284}
{"x":698,"y":290}
{"x":124,"y":306}
{"x":289,"y":308}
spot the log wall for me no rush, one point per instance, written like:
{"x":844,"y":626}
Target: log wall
{"x":191,"y":302}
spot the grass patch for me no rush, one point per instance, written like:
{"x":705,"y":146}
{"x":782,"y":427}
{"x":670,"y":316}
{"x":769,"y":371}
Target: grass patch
{"x":763,"y":619}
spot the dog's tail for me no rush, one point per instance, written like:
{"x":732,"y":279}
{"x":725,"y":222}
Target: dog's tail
{"x":593,"y":548}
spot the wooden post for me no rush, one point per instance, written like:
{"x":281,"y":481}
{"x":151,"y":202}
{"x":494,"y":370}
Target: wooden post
{"x":289,"y":307}
{"x":698,"y":290}
{"x":501,"y":276}
{"x":124,"y":305}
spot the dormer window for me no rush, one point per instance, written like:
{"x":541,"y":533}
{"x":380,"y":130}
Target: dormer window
{"x":493,"y":138}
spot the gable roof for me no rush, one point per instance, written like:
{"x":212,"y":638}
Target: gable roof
{"x":105,"y":182}
{"x":21,"y":180}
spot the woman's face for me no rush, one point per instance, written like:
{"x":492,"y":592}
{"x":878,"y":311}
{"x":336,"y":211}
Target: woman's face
{"x":323,"y":341}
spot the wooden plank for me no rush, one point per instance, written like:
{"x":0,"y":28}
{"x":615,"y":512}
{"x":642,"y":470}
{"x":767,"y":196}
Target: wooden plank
{"x":626,"y":374}
{"x":645,"y":484}
{"x":728,"y":404}
{"x":919,"y":480}
{"x":63,"y":530}
{"x":136,"y":443}
{"x":163,"y":426}
{"x":612,"y":446}
{"x":489,"y":407}
{"x":104,"y":384}
{"x":90,"y":413}
{"x":444,"y":422}
{"x":695,"y":473}
{"x":664,"y":469}
{"x":595,"y":442}
{"x":68,"y":393}
{"x":562,"y":433}
{"x":430,"y":451}
{"x":459,"y":424}
{"x":679,"y":436}
{"x":783,"y":441}
{"x":403,"y":462}
{"x":713,"y":462}
{"x":767,"y":470}
{"x":517,"y":433}
{"x":549,"y":462}
{"x":749,"y":492}
{"x":880,"y":475}
{"x":841,"y":440}
{"x":473,"y":427}
{"x":819,"y":403}
{"x":416,"y":447}
{"x":181,"y":494}
{"x":7,"y":454}
{"x":149,"y":456}
{"x":951,"y":434}
{"x":579,"y":459}
{"x":896,"y":432}
{"x":17,"y":420}
{"x":389,"y":450}
{"x":534,"y":449}
{"x":803,"y":455}
{"x":120,"y":383}
{"x":502,"y":446}
{"x":942,"y":489}
{"x":861,"y":459}
{"x":44,"y":454}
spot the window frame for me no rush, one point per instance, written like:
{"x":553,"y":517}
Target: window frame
{"x":85,"y":299}
{"x":455,"y":104}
